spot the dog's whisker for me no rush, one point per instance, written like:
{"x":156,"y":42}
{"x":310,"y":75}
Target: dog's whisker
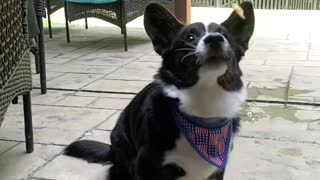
{"x":185,"y":49}
{"x":189,"y":44}
{"x":187,"y":55}
{"x":200,"y":60}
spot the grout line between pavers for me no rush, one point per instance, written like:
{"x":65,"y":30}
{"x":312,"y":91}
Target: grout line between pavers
{"x":105,"y":130}
{"x":40,"y":178}
{"x":133,"y":93}
{"x":308,"y":52}
{"x":282,"y":102}
{"x":144,"y":53}
{"x":115,"y":79}
{"x":120,"y":67}
{"x":17,"y":144}
{"x":279,"y":140}
{"x":83,"y":135}
{"x":79,"y":49}
{"x":39,"y":143}
{"x":77,"y":107}
{"x":93,"y":91}
{"x":80,"y":107}
{"x":286,"y":95}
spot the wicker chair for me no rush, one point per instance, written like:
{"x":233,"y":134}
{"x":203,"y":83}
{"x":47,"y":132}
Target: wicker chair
{"x":117,"y":12}
{"x":52,"y":6}
{"x":15,"y":69}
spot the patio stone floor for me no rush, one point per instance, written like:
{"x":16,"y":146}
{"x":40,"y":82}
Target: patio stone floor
{"x":92,"y":79}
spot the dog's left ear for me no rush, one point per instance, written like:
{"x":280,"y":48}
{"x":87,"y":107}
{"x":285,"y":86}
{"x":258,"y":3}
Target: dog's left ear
{"x":161,"y":26}
{"x":241,"y":29}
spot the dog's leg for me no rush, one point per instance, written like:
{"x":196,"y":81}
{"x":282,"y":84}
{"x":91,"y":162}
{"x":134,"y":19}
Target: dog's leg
{"x":217,"y":175}
{"x":118,"y":173}
{"x":148,"y":164}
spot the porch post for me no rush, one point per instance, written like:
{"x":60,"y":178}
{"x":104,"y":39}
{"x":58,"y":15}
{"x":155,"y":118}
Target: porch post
{"x":182,"y":10}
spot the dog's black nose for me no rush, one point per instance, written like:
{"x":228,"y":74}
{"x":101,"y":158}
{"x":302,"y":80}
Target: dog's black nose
{"x":214,"y":40}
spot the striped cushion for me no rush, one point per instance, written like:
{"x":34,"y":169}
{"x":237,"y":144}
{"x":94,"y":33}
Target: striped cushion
{"x":93,"y":1}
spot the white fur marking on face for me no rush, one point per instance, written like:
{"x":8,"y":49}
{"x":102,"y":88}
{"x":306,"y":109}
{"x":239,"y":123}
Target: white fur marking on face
{"x":202,"y":49}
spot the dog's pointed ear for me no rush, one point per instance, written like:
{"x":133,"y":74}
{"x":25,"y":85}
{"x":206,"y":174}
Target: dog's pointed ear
{"x":241,"y":27}
{"x":161,"y":26}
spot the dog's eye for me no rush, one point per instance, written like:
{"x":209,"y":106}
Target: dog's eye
{"x":190,"y":37}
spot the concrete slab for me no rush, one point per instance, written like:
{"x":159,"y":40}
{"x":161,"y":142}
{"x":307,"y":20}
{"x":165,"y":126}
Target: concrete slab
{"x":275,"y":91}
{"x":305,"y":89}
{"x":16,"y":164}
{"x":6,"y":145}
{"x":110,"y":103}
{"x":271,"y":121}
{"x":136,"y":71}
{"x":107,"y":58}
{"x":65,"y":168}
{"x":76,"y":101}
{"x":52,"y":124}
{"x":75,"y":68}
{"x":109,"y":124}
{"x":265,"y":159}
{"x":116,"y":86}
{"x":73,"y":80}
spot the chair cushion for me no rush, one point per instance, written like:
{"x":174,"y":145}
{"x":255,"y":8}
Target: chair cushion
{"x":93,"y":1}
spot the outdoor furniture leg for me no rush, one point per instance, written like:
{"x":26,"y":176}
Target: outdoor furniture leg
{"x":67,"y":21}
{"x":124,"y":28}
{"x":43,"y":76}
{"x":86,"y":21}
{"x":37,"y":59}
{"x":49,"y":19}
{"x":125,"y":38}
{"x":28,"y":122}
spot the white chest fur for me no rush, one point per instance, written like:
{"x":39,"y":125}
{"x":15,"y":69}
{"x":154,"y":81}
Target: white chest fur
{"x":187,"y":158}
{"x":208,"y":100}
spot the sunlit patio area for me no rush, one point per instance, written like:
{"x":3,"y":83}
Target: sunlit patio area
{"x":91,"y":79}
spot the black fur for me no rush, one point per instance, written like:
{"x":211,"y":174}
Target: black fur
{"x":91,"y":151}
{"x":146,"y":130}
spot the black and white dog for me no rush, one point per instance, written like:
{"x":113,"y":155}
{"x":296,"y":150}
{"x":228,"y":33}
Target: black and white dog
{"x":180,"y":126}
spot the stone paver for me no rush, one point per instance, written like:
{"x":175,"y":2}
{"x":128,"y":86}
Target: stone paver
{"x":110,"y":103}
{"x":102,"y":58}
{"x":271,"y":121}
{"x":76,"y":101}
{"x":267,"y":160}
{"x":305,"y":89}
{"x":276,"y":141}
{"x":72,"y":169}
{"x":136,"y":71}
{"x":53,"y":124}
{"x":116,"y":85}
{"x":73,"y":80}
{"x":6,"y":145}
{"x":267,"y":90}
{"x":16,"y":164}
{"x":74,"y":68}
{"x":110,"y":123}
